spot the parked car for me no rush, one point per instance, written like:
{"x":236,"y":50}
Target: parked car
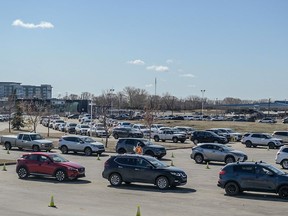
{"x":267,"y":120}
{"x":216,"y":152}
{"x":77,"y":143}
{"x":70,"y":127}
{"x":281,"y":135}
{"x":253,"y":176}
{"x":48,"y":165}
{"x":282,"y":157}
{"x":33,"y":141}
{"x":261,"y":139}
{"x":285,"y":120}
{"x":81,"y":129}
{"x":98,"y":132}
{"x":123,"y":132}
{"x":145,"y":169}
{"x":127,"y":145}
{"x":233,"y":136}
{"x":207,"y":137}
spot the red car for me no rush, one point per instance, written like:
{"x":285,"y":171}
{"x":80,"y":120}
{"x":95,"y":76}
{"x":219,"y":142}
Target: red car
{"x":48,"y":164}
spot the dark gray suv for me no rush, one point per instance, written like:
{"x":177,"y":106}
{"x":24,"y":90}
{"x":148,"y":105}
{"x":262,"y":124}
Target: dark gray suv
{"x":126,"y":145}
{"x":253,"y":176}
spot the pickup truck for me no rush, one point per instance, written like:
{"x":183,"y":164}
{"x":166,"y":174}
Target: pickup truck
{"x":32,"y":141}
{"x":169,"y":135}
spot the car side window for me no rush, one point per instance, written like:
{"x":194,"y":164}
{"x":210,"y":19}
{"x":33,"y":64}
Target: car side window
{"x":26,"y":137}
{"x":263,"y":171}
{"x":285,"y":150}
{"x":43,"y":158}
{"x":33,"y":157}
{"x":245,"y":169}
{"x":143,"y":163}
{"x":130,"y":142}
{"x":126,"y":161}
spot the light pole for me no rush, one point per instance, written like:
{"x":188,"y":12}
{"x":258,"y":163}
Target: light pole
{"x":202,"y":91}
{"x":111,"y":102}
{"x":269,"y":101}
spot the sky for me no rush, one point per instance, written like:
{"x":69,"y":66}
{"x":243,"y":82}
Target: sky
{"x":229,"y":48}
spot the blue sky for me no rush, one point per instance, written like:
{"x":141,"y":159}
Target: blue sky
{"x":230,"y":48}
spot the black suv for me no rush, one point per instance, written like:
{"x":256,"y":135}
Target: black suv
{"x":253,"y":176}
{"x":122,"y":132}
{"x":126,"y":145}
{"x":207,"y":137}
{"x":145,"y":169}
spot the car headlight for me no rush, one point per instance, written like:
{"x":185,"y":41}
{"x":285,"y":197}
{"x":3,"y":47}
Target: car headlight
{"x":175,"y":173}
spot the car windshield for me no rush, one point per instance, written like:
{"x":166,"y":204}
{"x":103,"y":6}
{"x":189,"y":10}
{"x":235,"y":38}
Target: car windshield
{"x":36,"y":137}
{"x":58,"y":159}
{"x":147,"y":142}
{"x":276,"y":170}
{"x":156,"y":162}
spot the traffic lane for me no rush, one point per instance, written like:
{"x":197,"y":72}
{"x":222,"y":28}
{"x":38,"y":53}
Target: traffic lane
{"x":94,"y":194}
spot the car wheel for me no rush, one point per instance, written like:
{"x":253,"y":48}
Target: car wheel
{"x":229,"y":159}
{"x":284,"y":164}
{"x":232,"y":189}
{"x":115,"y":179}
{"x":162,"y":182}
{"x":248,"y":144}
{"x":7,"y":146}
{"x":116,"y":136}
{"x":156,"y":138}
{"x":175,"y":139}
{"x":196,"y":141}
{"x":283,"y":192}
{"x":121,"y":151}
{"x":64,"y":150}
{"x":271,"y":145}
{"x":60,"y":175}
{"x":198,"y":158}
{"x":35,"y":148}
{"x":182,"y":141}
{"x":150,"y":153}
{"x":88,"y":151}
{"x":22,"y":173}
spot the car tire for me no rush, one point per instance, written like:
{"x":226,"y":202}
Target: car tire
{"x":283,"y":192}
{"x":232,"y":189}
{"x":116,"y":136}
{"x":22,"y":173}
{"x":162,"y":182}
{"x":156,"y":138}
{"x":7,"y":145}
{"x":198,"y":158}
{"x":248,"y":144}
{"x":88,"y":151}
{"x":64,"y":149}
{"x":284,"y":164}
{"x":60,"y":175}
{"x":35,"y":148}
{"x":271,"y":145}
{"x":182,"y":141}
{"x":115,"y":179}
{"x":229,"y":159}
{"x":175,"y":139}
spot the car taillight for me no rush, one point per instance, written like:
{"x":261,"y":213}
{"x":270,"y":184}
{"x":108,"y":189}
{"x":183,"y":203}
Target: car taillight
{"x":106,"y":164}
{"x":222,"y":172}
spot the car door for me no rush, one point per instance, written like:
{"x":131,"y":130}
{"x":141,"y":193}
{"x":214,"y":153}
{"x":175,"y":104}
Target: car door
{"x":130,"y":144}
{"x":126,"y":168}
{"x":245,"y":175}
{"x":45,"y":165}
{"x":32,"y":163}
{"x":265,"y":179}
{"x":78,"y":144}
{"x":143,"y":171}
{"x":25,"y":143}
{"x":218,"y":153}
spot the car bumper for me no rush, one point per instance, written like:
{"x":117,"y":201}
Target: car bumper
{"x":177,"y":181}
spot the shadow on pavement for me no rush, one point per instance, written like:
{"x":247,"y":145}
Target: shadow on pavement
{"x":259,"y":196}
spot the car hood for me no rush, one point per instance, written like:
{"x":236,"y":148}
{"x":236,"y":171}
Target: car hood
{"x":72,"y":164}
{"x":238,"y":152}
{"x":154,"y":146}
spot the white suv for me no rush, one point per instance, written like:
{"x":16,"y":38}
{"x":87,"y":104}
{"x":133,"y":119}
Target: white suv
{"x":80,"y":144}
{"x":261,"y":139}
{"x":282,"y":157}
{"x":281,"y":135}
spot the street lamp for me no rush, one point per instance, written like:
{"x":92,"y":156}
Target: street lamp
{"x":111,"y":102}
{"x":269,"y":102}
{"x":202,"y":91}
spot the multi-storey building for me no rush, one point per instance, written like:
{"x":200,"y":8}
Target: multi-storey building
{"x":7,"y":89}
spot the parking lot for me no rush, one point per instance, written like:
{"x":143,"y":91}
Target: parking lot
{"x":93,"y":195}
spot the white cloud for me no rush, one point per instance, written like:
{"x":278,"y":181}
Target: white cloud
{"x":42,"y":24}
{"x":187,"y":75}
{"x":136,"y":62}
{"x":159,"y":68}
